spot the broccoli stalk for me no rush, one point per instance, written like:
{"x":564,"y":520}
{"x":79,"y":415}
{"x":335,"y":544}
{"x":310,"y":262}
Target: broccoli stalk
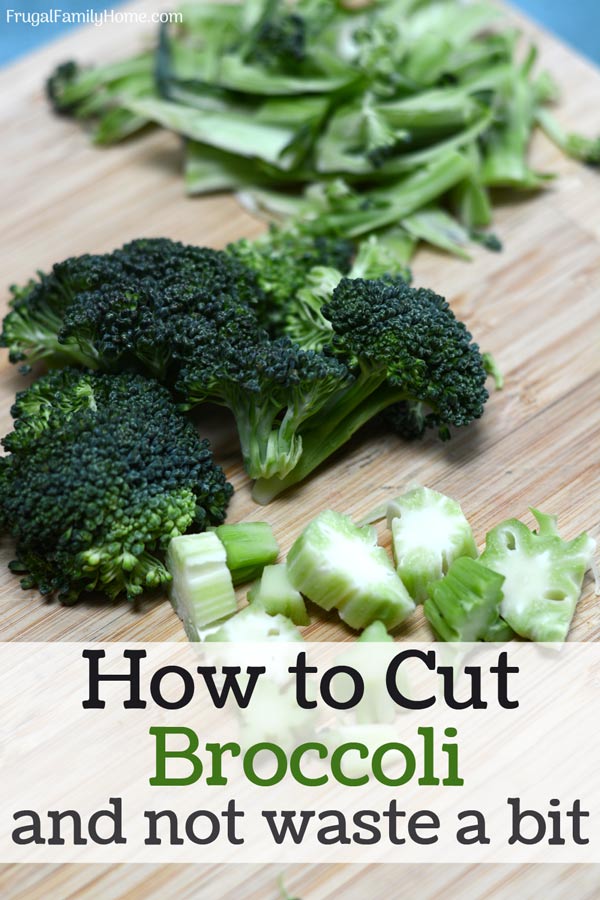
{"x":429,"y":531}
{"x":201,"y":589}
{"x":249,"y":546}
{"x":543,"y":575}
{"x":338,"y":565}
{"x":376,"y":632}
{"x":255,"y":625}
{"x":277,"y":596}
{"x":464,"y":605}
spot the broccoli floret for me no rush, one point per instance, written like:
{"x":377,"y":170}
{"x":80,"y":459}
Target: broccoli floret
{"x":102,"y":472}
{"x":401,"y":344}
{"x":543,"y":575}
{"x":304,"y":320}
{"x":60,"y":84}
{"x":409,"y":420}
{"x":273,"y":388}
{"x":32,"y":330}
{"x":192,"y":318}
{"x":282,"y":259}
{"x":120,"y":309}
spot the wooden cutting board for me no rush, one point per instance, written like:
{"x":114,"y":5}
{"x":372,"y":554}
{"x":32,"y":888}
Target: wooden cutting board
{"x":535,"y":306}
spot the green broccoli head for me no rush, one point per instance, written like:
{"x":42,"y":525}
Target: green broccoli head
{"x":400,"y":345}
{"x":32,"y":330}
{"x":411,"y":336}
{"x":282,"y":259}
{"x":114,"y":310}
{"x":102,"y":472}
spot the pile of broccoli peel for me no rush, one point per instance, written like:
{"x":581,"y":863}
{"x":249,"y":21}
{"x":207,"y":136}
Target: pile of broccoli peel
{"x":397,"y":116}
{"x":290,"y":332}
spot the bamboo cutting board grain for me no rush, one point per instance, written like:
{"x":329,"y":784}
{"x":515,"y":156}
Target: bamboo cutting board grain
{"x":536,"y":307}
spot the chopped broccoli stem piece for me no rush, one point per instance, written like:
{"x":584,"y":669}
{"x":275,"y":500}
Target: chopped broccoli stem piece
{"x":201,"y":588}
{"x":277,"y":596}
{"x":499,"y":633}
{"x":274,"y":715}
{"x":464,"y":605}
{"x":543,"y":575}
{"x":429,"y":531}
{"x":250,"y":546}
{"x":376,"y":632}
{"x":338,"y":565}
{"x":254,"y":625}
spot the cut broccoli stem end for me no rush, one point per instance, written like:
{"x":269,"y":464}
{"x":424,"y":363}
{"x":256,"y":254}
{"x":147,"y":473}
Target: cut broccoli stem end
{"x":576,"y":146}
{"x":249,"y":547}
{"x":269,"y":448}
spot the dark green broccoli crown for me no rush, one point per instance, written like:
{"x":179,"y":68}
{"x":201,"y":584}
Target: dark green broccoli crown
{"x":166,"y":262}
{"x":115,"y":308}
{"x":31,"y":329}
{"x":100,"y":481}
{"x":414,"y":335}
{"x":283,"y":257}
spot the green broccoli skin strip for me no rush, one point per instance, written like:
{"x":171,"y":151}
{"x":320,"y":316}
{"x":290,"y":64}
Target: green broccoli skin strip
{"x":102,"y":472}
{"x":339,"y":565}
{"x":543,"y":575}
{"x":119,"y":310}
{"x":464,"y":605}
{"x":401,"y":344}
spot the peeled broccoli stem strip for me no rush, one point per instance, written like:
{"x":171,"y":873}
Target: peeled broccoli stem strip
{"x":403,"y":198}
{"x":338,"y":421}
{"x":575,"y":145}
